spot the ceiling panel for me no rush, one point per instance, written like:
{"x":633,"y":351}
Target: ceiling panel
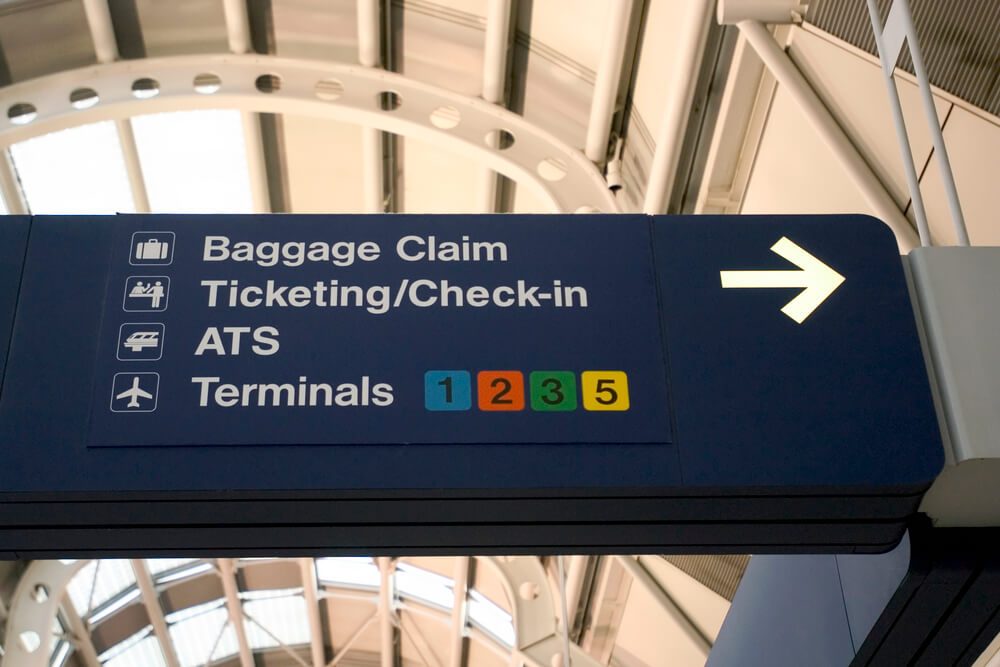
{"x":182,"y":26}
{"x":26,"y":25}
{"x":316,"y":29}
{"x":973,"y":143}
{"x":795,"y":171}
{"x":706,"y":608}
{"x":442,"y":45}
{"x":851,"y":86}
{"x":323,"y":162}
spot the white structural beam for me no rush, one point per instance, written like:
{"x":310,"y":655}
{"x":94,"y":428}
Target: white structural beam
{"x":151,"y":600}
{"x":352,"y":640}
{"x":310,"y":588}
{"x":227,"y":573}
{"x":10,"y":186}
{"x":681,"y":75}
{"x":498,"y":20}
{"x":581,"y":183}
{"x":898,"y":29}
{"x":80,"y":636}
{"x":608,"y":81}
{"x":794,"y":82}
{"x":102,"y":32}
{"x":576,"y":570}
{"x":370,"y":55}
{"x":387,"y":615}
{"x":459,"y":611}
{"x":238,"y":36}
{"x":643,"y":578}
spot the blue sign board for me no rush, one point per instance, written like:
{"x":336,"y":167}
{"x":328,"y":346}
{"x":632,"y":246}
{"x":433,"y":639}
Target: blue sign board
{"x":643,"y":374}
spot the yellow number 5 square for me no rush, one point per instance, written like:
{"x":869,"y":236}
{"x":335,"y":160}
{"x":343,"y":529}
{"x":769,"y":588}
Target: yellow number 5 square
{"x":604,"y":390}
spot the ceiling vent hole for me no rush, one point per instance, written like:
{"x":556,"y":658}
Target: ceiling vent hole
{"x":552,"y":169}
{"x":329,"y":90}
{"x":500,"y":139}
{"x":83,"y":98}
{"x":389,"y":101}
{"x":446,"y":117}
{"x":207,"y":83}
{"x":40,"y":593}
{"x":22,"y":113}
{"x":145,"y":88}
{"x":268,"y":83}
{"x":29,"y":641}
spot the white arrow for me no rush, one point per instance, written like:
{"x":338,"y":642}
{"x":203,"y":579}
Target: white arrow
{"x":818,"y":279}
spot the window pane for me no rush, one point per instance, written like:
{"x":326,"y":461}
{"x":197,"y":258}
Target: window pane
{"x":194,"y":161}
{"x":75,"y":171}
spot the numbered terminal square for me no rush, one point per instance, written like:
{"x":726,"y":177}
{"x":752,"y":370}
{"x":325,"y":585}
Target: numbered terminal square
{"x":446,"y":391}
{"x":553,"y":391}
{"x":500,"y":391}
{"x":604,"y":391}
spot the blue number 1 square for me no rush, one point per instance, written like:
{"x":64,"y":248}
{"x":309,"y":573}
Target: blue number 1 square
{"x":447,"y":390}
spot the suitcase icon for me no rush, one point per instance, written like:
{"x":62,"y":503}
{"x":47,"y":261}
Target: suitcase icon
{"x":153,"y":249}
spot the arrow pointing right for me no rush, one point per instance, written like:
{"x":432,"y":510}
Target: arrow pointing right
{"x":818,"y":279}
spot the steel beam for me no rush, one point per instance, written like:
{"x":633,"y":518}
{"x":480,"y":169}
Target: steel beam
{"x":666,"y":603}
{"x":151,"y":599}
{"x":239,"y":39}
{"x":102,"y":32}
{"x":81,"y":636}
{"x":10,"y":186}
{"x":227,"y":572}
{"x":495,"y":48}
{"x":459,"y":611}
{"x":310,"y":588}
{"x":608,"y":82}
{"x":387,"y":615}
{"x":682,"y":75}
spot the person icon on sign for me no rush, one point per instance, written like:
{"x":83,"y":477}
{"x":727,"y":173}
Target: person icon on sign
{"x":156,"y":293}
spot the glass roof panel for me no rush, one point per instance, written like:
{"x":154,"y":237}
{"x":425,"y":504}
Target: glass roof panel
{"x":198,"y":638}
{"x":98,"y":582}
{"x":194,"y":161}
{"x":359,"y":572}
{"x":157,"y":565}
{"x":285,"y":618}
{"x":144,"y":653}
{"x":486,"y":614}
{"x":75,"y":171}
{"x":418,"y":583}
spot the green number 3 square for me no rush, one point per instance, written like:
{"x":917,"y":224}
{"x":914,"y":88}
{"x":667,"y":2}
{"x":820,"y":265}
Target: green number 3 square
{"x":553,"y":391}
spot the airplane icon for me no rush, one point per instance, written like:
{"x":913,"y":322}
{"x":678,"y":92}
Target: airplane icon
{"x":134,"y":394}
{"x":138,"y":389}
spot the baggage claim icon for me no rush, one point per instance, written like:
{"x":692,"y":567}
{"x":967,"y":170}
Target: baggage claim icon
{"x":152,"y":249}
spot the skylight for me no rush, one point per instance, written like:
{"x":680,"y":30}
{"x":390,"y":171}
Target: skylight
{"x":354,"y":572}
{"x":203,"y":637}
{"x":490,"y":617}
{"x":157,"y":565}
{"x":284,"y":619}
{"x":418,"y":583}
{"x":76,"y":171}
{"x":194,"y":161}
{"x":98,"y":582}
